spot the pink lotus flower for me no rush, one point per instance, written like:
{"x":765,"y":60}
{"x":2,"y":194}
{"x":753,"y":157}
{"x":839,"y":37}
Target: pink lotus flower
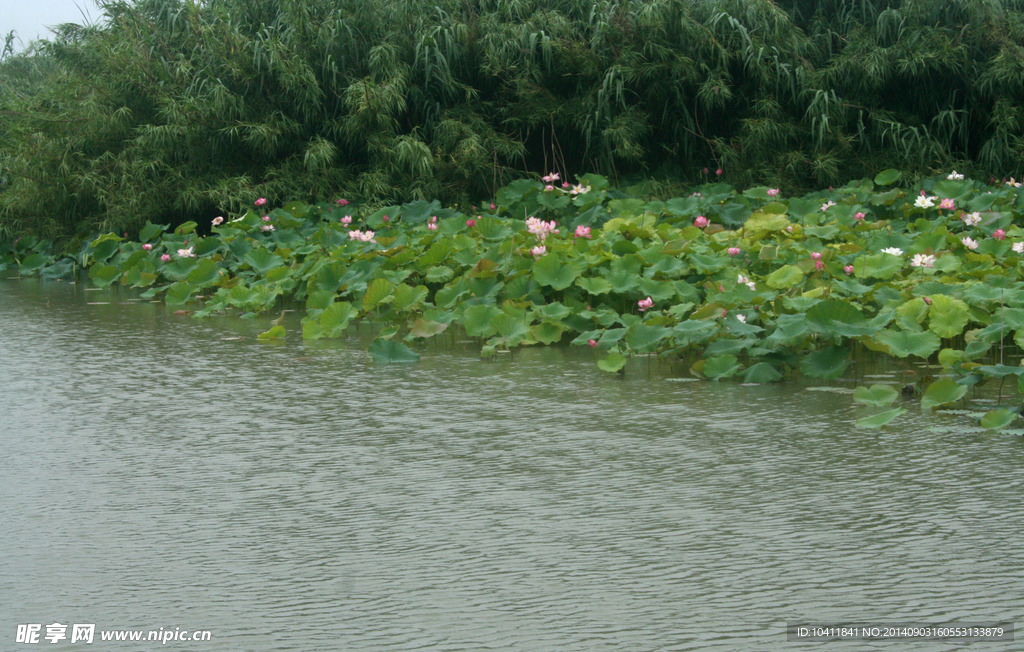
{"x":848,"y":269}
{"x":592,"y":343}
{"x":165,"y":258}
{"x":267,"y":227}
{"x":927,"y":300}
{"x":540,"y":228}
{"x":471,"y":223}
{"x":186,"y":253}
{"x":582,"y":232}
{"x":718,"y":171}
{"x":265,"y":218}
{"x":733,"y":251}
{"x":347,"y":219}
{"x":548,"y":188}
{"x":705,"y":171}
{"x":261,"y":201}
{"x":565,"y":185}
{"x":999,"y":234}
{"x":815,"y":255}
{"x":538,"y":251}
{"x":386,"y":219}
{"x":859,"y":216}
{"x":789,"y":229}
{"x":217,"y":221}
{"x":819,"y":265}
{"x":551,"y":178}
{"x":827,"y":205}
{"x":362,"y":236}
{"x":494,"y":206}
{"x":947,"y":204}
{"x":700,"y":222}
{"x":644,"y":304}
{"x":147,"y":247}
{"x":773,"y":192}
{"x":432,"y":226}
{"x":342,"y":202}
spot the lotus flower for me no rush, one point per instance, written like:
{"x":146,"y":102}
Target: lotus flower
{"x":347,"y":219}
{"x":342,"y":202}
{"x":955,"y":176}
{"x":848,"y":269}
{"x":166,"y":258}
{"x":972,"y":219}
{"x":582,"y":232}
{"x":592,"y":343}
{"x":538,"y":251}
{"x":261,"y":201}
{"x":924,"y":201}
{"x":999,"y":234}
{"x":923,"y":260}
{"x":186,"y":253}
{"x":947,"y":204}
{"x":773,"y":192}
{"x":893,"y":251}
{"x":733,"y":251}
{"x":471,"y":223}
{"x":644,"y":304}
{"x":700,"y":222}
{"x":147,"y":247}
{"x":859,"y":216}
{"x":217,"y":221}
{"x":970,"y":243}
{"x":1018,"y":247}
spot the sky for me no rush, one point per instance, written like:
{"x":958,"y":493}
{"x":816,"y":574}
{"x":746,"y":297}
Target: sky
{"x":31,"y":18}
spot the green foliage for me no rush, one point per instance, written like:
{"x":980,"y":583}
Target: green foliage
{"x":172,"y":110}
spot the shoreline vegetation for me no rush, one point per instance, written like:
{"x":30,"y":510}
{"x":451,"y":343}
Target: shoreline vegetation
{"x":173,"y":110}
{"x":751,"y":285}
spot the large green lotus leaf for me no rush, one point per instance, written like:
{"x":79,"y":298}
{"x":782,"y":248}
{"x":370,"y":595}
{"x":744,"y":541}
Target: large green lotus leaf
{"x":205,"y":273}
{"x":151,"y":231}
{"x":104,"y":246}
{"x":206,"y":246}
{"x":785,"y":277}
{"x":942,"y":392}
{"x":596,"y":285}
{"x":547,"y":332}
{"x":311,"y":328}
{"x":178,"y":293}
{"x":882,"y":266}
{"x":877,"y":395}
{"x":274,"y":333}
{"x":904,"y":343}
{"x":477,"y":320}
{"x":999,"y":370}
{"x":887,"y":177}
{"x":834,"y":316}
{"x":550,"y":270}
{"x":425,"y":328}
{"x":642,"y":338}
{"x":439,"y":274}
{"x":947,"y":317}
{"x":554,"y":311}
{"x":407,"y":296}
{"x":827,"y":363}
{"x":510,"y":327}
{"x":103,"y":275}
{"x":911,"y":314}
{"x":33,"y":263}
{"x":262,"y":261}
{"x":721,"y":367}
{"x":999,"y":419}
{"x":613,"y":363}
{"x":390,"y":351}
{"x":762,"y":372}
{"x":694,"y":331}
{"x":880,"y":419}
{"x":336,"y":317}
{"x":437,"y":254}
{"x":377,"y":292}
{"x":492,"y":228}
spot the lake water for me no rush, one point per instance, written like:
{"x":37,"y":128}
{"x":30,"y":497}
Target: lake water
{"x":160,"y":472}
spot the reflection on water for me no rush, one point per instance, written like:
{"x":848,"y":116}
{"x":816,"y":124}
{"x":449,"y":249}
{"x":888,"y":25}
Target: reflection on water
{"x":162,"y":473}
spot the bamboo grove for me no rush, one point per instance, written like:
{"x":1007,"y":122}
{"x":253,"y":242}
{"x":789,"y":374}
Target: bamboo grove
{"x":170,"y":110}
